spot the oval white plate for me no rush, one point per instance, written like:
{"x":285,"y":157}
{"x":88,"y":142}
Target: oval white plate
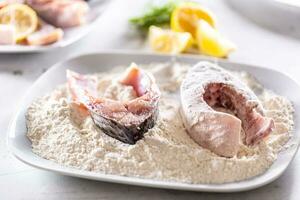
{"x":20,"y":146}
{"x":71,"y":35}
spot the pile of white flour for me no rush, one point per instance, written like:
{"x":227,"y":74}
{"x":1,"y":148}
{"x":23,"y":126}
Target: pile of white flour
{"x":59,"y":133}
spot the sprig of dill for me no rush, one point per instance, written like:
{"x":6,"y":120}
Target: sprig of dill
{"x":155,"y":15}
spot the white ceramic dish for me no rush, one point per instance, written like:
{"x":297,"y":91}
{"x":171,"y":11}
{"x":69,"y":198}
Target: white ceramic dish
{"x":71,"y":35}
{"x":20,"y":146}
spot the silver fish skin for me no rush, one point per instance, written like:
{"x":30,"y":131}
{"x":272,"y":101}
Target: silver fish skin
{"x":125,"y":121}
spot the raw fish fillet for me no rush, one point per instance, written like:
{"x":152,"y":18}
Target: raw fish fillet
{"x":46,"y":34}
{"x":126,"y":121}
{"x":3,"y":4}
{"x":207,"y":88}
{"x":7,"y":34}
{"x":61,"y":13}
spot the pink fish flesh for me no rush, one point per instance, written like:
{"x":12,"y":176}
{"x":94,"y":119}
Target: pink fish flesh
{"x":126,"y":121}
{"x":208,"y":87}
{"x":46,"y":34}
{"x":61,"y":13}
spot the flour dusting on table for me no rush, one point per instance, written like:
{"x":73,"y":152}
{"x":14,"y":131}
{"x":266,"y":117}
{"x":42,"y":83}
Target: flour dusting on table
{"x":166,"y":152}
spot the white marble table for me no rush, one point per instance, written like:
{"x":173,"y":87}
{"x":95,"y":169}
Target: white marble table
{"x":17,"y":72}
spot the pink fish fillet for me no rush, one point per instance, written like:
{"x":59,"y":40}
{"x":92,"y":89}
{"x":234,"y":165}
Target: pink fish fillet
{"x":126,"y":121}
{"x":7,"y":34}
{"x":61,"y":13}
{"x":3,"y":4}
{"x":208,"y":87}
{"x":46,"y":34}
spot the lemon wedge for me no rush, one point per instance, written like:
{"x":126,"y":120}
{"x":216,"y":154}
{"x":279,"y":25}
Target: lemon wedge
{"x":211,"y":42}
{"x":168,"y":41}
{"x":22,"y":17}
{"x":185,"y":17}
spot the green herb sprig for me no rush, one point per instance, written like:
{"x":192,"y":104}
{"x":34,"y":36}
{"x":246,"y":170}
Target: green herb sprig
{"x":155,"y":15}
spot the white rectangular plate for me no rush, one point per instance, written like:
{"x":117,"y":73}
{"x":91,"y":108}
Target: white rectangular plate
{"x":71,"y":35}
{"x":20,"y":146}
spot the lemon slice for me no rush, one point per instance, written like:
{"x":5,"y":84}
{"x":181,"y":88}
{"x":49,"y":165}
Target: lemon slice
{"x":185,"y":17}
{"x":168,"y":41}
{"x":22,"y":17}
{"x":211,"y":42}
